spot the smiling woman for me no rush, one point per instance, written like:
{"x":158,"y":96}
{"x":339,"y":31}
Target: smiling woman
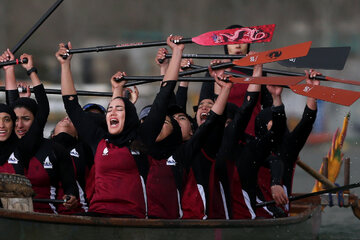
{"x":6,"y":126}
{"x":7,"y":137}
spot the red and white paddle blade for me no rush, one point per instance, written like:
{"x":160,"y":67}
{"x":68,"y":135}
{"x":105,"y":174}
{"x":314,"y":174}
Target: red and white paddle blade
{"x":329,"y":94}
{"x":280,"y":81}
{"x":293,"y":51}
{"x":255,"y":34}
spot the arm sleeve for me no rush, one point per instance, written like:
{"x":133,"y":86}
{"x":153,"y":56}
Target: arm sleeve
{"x":43,"y":105}
{"x":276,"y":166}
{"x":236,"y":127}
{"x":88,"y":130}
{"x":181,"y":96}
{"x":11,"y":96}
{"x":151,"y":127}
{"x":66,"y":171}
{"x":302,"y":130}
{"x":266,"y":98}
{"x":273,"y":138}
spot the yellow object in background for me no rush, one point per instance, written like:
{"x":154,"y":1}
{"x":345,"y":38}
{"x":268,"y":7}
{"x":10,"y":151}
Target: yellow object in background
{"x":335,"y":156}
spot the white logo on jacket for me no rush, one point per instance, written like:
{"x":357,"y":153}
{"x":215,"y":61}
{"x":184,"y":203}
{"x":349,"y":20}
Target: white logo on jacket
{"x":47,"y":163}
{"x":12,"y":159}
{"x":105,"y":151}
{"x":74,"y":153}
{"x":171,"y":161}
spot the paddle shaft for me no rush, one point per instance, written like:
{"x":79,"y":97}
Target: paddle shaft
{"x":54,"y":201}
{"x":222,"y":37}
{"x":124,"y":46}
{"x":327,"y":183}
{"x":13,"y":62}
{"x":331,"y":190}
{"x":36,"y":26}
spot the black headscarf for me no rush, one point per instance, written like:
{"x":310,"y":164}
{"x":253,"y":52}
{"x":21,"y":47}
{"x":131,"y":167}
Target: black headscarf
{"x":129,"y":132}
{"x":166,"y":147}
{"x":28,"y":103}
{"x":8,"y":146}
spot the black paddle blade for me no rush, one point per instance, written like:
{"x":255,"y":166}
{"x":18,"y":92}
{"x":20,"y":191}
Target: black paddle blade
{"x":332,"y":58}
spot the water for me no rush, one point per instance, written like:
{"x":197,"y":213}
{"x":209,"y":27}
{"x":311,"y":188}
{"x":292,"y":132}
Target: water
{"x":337,"y":223}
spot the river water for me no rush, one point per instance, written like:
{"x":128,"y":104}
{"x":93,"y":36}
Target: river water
{"x":337,"y":223}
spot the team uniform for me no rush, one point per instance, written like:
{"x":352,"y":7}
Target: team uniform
{"x":288,"y":152}
{"x":46,"y":164}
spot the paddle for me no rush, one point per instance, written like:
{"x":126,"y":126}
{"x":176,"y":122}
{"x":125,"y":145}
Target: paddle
{"x":262,"y":33}
{"x":79,"y":92}
{"x":297,"y":50}
{"x":36,"y":26}
{"x":332,"y":58}
{"x":54,"y":201}
{"x":287,"y":73}
{"x":331,"y":190}
{"x":13,"y":62}
{"x":329,"y":94}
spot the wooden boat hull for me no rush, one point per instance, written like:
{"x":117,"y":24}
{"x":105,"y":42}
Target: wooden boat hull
{"x":20,"y":225}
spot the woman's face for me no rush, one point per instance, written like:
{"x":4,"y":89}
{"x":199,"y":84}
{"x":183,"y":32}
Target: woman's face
{"x":115,"y":116}
{"x":203,"y":110}
{"x":185,"y":125}
{"x":24,"y":120}
{"x":6,"y":126}
{"x":66,"y":126}
{"x":166,"y":130}
{"x":238,"y":49}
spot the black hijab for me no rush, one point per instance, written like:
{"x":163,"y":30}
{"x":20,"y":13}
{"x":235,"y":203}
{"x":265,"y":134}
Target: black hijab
{"x":28,"y":103}
{"x":129,"y":132}
{"x":8,"y":146}
{"x":166,"y":147}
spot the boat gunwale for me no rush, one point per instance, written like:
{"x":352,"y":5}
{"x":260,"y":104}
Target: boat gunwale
{"x":158,"y":223}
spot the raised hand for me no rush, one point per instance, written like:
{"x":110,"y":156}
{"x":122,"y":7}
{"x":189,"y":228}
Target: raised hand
{"x":25,"y":89}
{"x":172,"y":43}
{"x":160,"y":57}
{"x":63,"y":51}
{"x":218,"y":72}
{"x":30,"y":62}
{"x":310,"y":77}
{"x":186,"y":63}
{"x":133,"y":94}
{"x":7,"y":56}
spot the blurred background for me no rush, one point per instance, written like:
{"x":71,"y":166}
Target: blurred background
{"x":327,"y":23}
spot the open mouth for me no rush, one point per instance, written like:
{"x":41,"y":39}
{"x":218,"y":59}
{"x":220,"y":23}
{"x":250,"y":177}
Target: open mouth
{"x":203,"y":116}
{"x":2,"y":133}
{"x":114,"y":122}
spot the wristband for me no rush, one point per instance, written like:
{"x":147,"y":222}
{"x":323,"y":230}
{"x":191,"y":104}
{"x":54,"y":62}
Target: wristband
{"x":31,"y":70}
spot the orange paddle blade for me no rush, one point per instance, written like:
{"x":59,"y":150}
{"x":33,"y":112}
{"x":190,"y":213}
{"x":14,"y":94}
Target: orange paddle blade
{"x":293,"y":51}
{"x":329,"y":94}
{"x":281,"y":81}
